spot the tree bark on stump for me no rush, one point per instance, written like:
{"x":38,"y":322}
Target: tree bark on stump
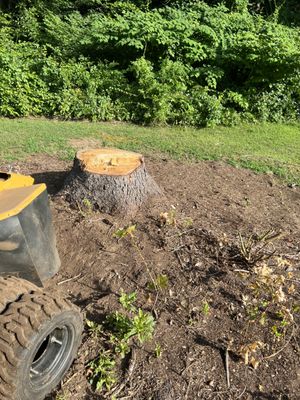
{"x":113,"y":181}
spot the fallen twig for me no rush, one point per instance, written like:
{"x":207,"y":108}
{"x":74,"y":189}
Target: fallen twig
{"x":241,"y":394}
{"x":180,"y":234}
{"x":187,"y":390}
{"x":132,"y":395}
{"x":179,"y":259}
{"x":227,"y":367}
{"x":292,"y":256}
{"x":242,"y":270}
{"x":70,"y":279}
{"x":73,"y":376}
{"x":119,"y":388}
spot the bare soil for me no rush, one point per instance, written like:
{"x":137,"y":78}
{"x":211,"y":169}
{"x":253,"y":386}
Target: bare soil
{"x":213,"y":202}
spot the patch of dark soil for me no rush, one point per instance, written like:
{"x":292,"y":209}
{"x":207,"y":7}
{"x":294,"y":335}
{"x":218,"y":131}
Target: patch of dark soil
{"x":212,"y":203}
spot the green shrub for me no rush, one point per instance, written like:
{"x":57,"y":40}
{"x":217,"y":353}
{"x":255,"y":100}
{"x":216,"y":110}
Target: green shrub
{"x":174,"y":62}
{"x":22,"y":92}
{"x":276,"y":105}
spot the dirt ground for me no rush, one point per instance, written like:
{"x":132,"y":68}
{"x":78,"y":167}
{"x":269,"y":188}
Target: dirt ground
{"x":212,"y":203}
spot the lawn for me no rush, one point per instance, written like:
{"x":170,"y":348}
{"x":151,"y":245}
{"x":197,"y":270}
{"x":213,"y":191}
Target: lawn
{"x":271,"y":148}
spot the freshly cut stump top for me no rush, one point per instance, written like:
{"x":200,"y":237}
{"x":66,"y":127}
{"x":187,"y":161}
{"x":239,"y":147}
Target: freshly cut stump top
{"x":106,"y":161}
{"x":111,"y":180}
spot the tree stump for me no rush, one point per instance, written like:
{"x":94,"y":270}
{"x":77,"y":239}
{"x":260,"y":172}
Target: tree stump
{"x":112,"y":181}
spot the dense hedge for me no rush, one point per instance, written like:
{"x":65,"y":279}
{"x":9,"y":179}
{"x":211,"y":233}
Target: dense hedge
{"x":180,"y":62}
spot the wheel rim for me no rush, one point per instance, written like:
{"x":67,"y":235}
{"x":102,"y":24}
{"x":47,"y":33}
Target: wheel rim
{"x":51,"y":356}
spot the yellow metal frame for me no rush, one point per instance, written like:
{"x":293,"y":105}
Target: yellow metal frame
{"x":16,"y":193}
{"x":15,"y":181}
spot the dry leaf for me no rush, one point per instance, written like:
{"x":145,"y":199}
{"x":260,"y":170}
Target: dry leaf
{"x":263,"y":271}
{"x":247,"y":351}
{"x":291,"y":289}
{"x":283,"y":262}
{"x":254,"y":362}
{"x":280,"y":296}
{"x":245,"y":299}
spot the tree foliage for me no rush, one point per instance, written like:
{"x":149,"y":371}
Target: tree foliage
{"x":173,"y":61}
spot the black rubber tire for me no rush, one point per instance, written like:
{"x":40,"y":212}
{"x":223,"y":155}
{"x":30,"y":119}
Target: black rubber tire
{"x":12,"y":288}
{"x":39,"y":337}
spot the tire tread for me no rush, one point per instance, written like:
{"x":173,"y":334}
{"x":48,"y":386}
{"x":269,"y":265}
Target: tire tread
{"x":18,"y":324}
{"x":11,"y":288}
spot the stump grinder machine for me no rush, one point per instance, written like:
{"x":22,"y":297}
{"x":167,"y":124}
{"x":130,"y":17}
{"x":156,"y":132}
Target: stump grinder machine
{"x":40,"y":331}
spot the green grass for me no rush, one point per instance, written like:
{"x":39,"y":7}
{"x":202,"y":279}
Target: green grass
{"x":271,"y":148}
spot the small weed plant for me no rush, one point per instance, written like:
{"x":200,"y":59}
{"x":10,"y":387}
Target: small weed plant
{"x":119,"y":331}
{"x":170,"y":218}
{"x":102,"y":371}
{"x":123,"y":232}
{"x":158,"y":350}
{"x":141,"y":325}
{"x":61,"y":397}
{"x":161,"y":283}
{"x":93,"y":328}
{"x":127,"y":301}
{"x":85,"y":208}
{"x":205,"y":308}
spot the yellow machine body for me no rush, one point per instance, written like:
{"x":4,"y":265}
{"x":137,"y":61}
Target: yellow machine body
{"x":27,"y":239}
{"x":12,"y":181}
